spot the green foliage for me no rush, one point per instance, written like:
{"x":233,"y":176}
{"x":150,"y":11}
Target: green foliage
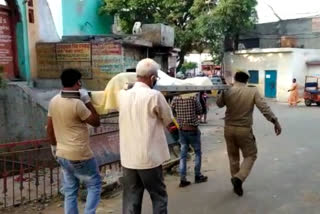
{"x":178,"y":14}
{"x":188,"y":66}
{"x":235,"y":16}
{"x":226,"y":21}
{"x":198,"y":24}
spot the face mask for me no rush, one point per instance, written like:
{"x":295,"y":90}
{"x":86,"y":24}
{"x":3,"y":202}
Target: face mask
{"x":154,"y":84}
{"x":80,"y":83}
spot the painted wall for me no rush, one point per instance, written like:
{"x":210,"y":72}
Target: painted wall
{"x":314,"y":70}
{"x":43,"y":29}
{"x":97,"y":61}
{"x":290,"y":63}
{"x":28,"y":34}
{"x":306,"y":32}
{"x":33,"y":38}
{"x":56,"y":11}
{"x":80,"y":17}
{"x":22,"y":42}
{"x":48,"y":32}
{"x":21,"y":117}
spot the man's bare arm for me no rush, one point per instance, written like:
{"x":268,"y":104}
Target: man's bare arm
{"x":93,"y":119}
{"x":50,"y":132}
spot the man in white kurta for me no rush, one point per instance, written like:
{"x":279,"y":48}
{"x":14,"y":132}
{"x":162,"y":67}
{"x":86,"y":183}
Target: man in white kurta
{"x":143,"y":115}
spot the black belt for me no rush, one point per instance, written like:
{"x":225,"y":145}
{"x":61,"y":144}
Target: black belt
{"x":189,"y":130}
{"x":75,"y":162}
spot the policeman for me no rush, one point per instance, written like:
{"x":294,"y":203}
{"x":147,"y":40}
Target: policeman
{"x":240,"y":100}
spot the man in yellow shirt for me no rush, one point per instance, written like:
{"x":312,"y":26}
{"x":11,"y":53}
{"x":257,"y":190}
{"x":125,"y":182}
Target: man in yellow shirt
{"x":67,"y":129}
{"x":240,"y":100}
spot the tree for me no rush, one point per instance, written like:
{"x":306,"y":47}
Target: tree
{"x":179,"y":14}
{"x":222,"y":26}
{"x":188,"y":66}
{"x":234,"y":17}
{"x":198,"y":24}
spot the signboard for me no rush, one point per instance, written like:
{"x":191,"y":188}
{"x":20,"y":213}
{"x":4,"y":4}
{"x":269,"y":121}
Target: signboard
{"x":47,"y":60}
{"x":107,"y":57}
{"x":130,"y":62}
{"x":74,"y":55}
{"x":6,"y":51}
{"x":316,"y":25}
{"x":71,"y":52}
{"x":83,"y":67}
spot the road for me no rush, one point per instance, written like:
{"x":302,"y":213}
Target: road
{"x":284,"y":180}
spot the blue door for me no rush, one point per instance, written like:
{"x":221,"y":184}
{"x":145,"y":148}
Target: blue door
{"x":270,"y":84}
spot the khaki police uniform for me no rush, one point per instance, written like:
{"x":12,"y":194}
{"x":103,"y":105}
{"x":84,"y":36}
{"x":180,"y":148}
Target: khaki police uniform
{"x":240,"y":100}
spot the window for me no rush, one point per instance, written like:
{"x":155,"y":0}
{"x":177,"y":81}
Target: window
{"x":250,"y":43}
{"x":30,"y":3}
{"x":31,"y":16}
{"x":254,"y":76}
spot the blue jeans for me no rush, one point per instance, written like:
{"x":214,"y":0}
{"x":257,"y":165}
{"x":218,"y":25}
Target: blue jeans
{"x":190,"y":138}
{"x":88,"y":173}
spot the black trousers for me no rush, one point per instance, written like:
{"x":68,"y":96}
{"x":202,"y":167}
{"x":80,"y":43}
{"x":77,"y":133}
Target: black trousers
{"x":135,"y":182}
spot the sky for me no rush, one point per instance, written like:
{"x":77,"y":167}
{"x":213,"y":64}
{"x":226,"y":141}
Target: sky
{"x":287,"y":9}
{"x":56,"y":11}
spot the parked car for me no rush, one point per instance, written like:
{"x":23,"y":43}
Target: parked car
{"x":218,"y":80}
{"x":200,"y":74}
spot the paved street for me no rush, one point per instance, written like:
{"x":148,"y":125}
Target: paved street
{"x":285,"y":179}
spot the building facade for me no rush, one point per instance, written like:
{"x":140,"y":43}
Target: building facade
{"x":24,"y":23}
{"x":14,"y":44}
{"x":83,"y":18}
{"x":273,"y":69}
{"x":275,"y":53}
{"x":295,"y":33}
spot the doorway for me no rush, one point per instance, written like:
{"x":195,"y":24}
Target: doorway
{"x":271,"y":83}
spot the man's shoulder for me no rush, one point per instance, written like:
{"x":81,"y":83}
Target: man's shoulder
{"x":252,"y":89}
{"x":247,"y":88}
{"x":123,"y":92}
{"x":251,"y":86}
{"x":55,"y":98}
{"x":149,"y":92}
{"x":145,"y":93}
{"x":155,"y":92}
{"x":58,"y":99}
{"x":155,"y":95}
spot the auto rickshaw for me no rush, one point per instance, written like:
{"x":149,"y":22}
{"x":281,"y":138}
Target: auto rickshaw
{"x":311,"y":90}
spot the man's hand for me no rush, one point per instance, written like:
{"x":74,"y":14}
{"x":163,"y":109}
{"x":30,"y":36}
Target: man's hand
{"x":277,"y":128}
{"x":50,"y":132}
{"x":53,"y":151}
{"x":84,"y":96}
